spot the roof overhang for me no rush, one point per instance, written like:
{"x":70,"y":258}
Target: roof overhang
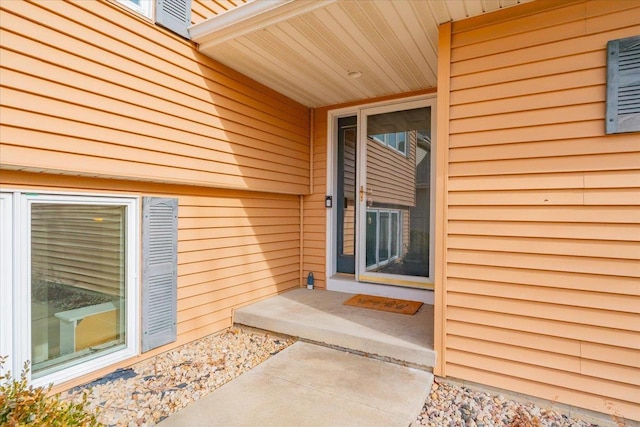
{"x":326,"y":52}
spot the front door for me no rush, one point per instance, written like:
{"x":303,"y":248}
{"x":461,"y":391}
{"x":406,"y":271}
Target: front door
{"x":383,"y":194}
{"x":395,"y":194}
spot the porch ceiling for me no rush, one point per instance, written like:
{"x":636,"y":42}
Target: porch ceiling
{"x":306,"y":49}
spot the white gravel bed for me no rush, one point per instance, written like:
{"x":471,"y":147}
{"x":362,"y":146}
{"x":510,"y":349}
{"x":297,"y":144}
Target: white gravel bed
{"x":456,"y":406}
{"x":149,"y":391}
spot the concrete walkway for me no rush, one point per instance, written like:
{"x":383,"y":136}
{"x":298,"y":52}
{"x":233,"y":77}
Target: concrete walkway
{"x":310,"y":385}
{"x":320,"y":316}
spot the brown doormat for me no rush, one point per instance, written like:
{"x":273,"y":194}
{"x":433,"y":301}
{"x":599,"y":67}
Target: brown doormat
{"x":393,"y":305}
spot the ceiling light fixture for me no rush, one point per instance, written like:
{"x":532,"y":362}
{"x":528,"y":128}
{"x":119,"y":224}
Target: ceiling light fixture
{"x":354,"y":74}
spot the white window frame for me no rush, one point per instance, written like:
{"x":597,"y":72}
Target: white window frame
{"x":145,"y":7}
{"x":385,"y":141}
{"x":391,"y":258}
{"x":6,"y":281}
{"x":21,"y":344}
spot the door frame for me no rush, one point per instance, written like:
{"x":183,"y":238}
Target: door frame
{"x":349,"y":283}
{"x":345,"y":260}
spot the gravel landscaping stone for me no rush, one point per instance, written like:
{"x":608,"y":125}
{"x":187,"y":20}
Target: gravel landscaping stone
{"x":149,"y":391}
{"x":454,"y":405}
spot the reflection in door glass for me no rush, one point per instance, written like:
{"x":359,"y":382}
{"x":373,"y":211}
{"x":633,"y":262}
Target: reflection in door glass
{"x":349,"y":188}
{"x":346,"y":196}
{"x":385,"y":238}
{"x":398,"y":184}
{"x":372,"y":238}
{"x":394,"y":235}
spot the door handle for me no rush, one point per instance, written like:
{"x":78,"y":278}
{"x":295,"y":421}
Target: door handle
{"x":362,"y":191}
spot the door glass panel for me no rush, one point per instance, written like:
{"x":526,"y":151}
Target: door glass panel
{"x":383,"y":238}
{"x":394,"y":234}
{"x":346,"y":195}
{"x":398,"y":170}
{"x":78,"y":282}
{"x":372,"y":238}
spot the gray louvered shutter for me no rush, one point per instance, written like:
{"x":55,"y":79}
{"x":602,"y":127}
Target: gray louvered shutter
{"x":623,"y":85}
{"x":159,"y":271}
{"x":174,"y":15}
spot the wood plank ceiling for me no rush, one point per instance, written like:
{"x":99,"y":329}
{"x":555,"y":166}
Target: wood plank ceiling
{"x":326,"y":52}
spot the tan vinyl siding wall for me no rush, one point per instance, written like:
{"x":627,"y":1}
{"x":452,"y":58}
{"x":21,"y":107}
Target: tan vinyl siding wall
{"x":91,"y":88}
{"x":205,"y":9}
{"x":391,"y":177}
{"x":543,"y":244}
{"x":233,"y":247}
{"x":315,"y":219}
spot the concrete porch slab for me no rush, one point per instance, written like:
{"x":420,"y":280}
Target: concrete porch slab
{"x":310,"y":385}
{"x":321,"y":317}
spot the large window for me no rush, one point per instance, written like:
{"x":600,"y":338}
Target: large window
{"x":74,"y":288}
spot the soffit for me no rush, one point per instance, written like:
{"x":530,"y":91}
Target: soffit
{"x":305,"y":49}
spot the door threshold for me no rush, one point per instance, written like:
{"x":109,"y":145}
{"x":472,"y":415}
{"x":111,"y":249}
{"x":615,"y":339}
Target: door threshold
{"x":403,"y":281}
{"x":347,"y":283}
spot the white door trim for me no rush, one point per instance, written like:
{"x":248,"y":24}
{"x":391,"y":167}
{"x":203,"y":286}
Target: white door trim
{"x":346,"y":283}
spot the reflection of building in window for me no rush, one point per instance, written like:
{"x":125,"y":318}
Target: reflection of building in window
{"x":418,"y":248}
{"x":398,"y":177}
{"x":384,"y":236}
{"x":395,"y":140}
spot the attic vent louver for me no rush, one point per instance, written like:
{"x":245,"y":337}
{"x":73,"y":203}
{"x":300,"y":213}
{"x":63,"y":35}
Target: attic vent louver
{"x":174,"y":15}
{"x":623,"y":85}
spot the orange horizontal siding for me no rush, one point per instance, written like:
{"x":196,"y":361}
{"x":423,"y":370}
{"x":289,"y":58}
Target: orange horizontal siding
{"x":579,"y":40}
{"x":548,"y":214}
{"x":234,"y":247}
{"x":534,"y":101}
{"x":543,"y":149}
{"x":596,"y":248}
{"x":567,"y":230}
{"x":556,"y":279}
{"x":548,"y":295}
{"x":543,"y":326}
{"x":591,"y":398}
{"x":542,"y":272}
{"x":514,"y":337}
{"x":150,"y":107}
{"x":176,"y":54}
{"x":523,"y":258}
{"x":569,"y":313}
{"x":556,"y":377}
{"x":314,"y":211}
{"x":587,"y":163}
{"x":204,"y":9}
